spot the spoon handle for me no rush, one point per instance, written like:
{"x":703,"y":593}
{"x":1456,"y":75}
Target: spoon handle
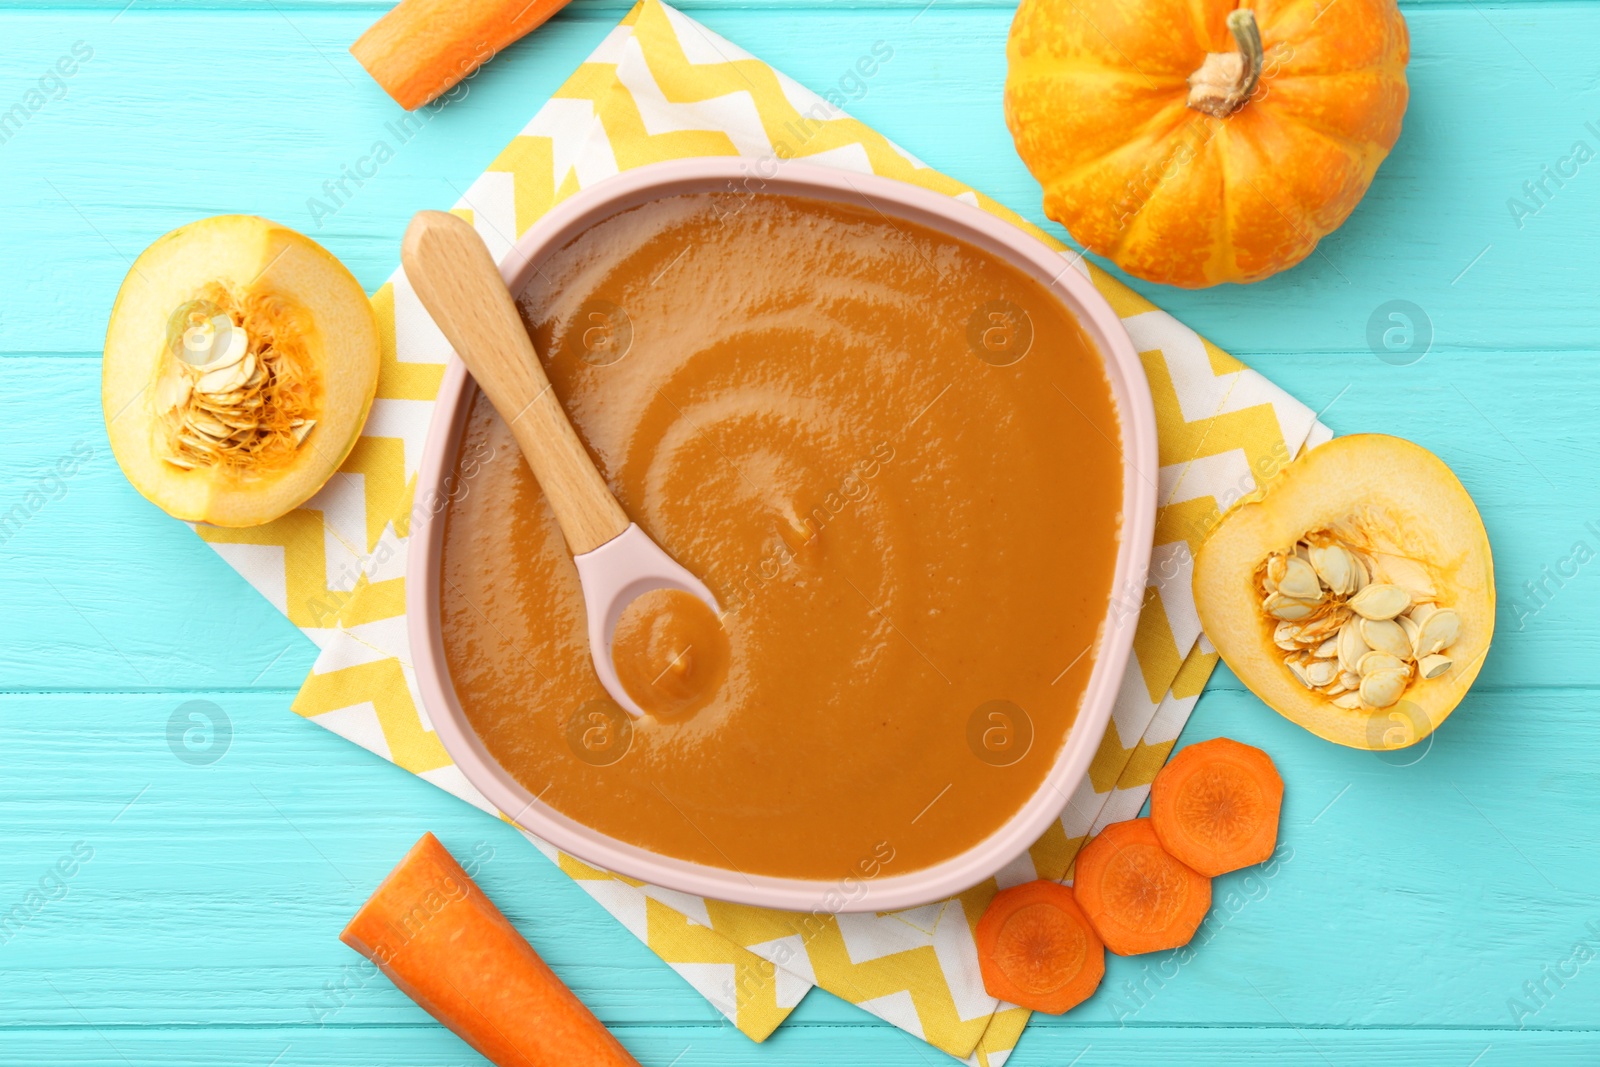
{"x":457,"y":281}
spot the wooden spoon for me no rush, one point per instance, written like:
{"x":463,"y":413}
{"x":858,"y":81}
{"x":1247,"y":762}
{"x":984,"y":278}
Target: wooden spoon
{"x":457,"y":281}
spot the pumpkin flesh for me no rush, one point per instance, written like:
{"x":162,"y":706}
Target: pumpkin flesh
{"x":1404,"y":509}
{"x":310,"y":327}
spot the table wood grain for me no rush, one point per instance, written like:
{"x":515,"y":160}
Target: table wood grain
{"x":1436,"y":903}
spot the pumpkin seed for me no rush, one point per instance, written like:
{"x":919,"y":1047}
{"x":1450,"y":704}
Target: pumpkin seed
{"x":227,"y":391}
{"x":238,"y":400}
{"x":207,"y":425}
{"x":1321,"y":672}
{"x":1353,"y":630}
{"x":1438,"y":632}
{"x":1382,"y":689}
{"x":1386,"y":636}
{"x":1363,"y":575}
{"x":1284,"y":634}
{"x":1300,"y":580}
{"x":197,"y":443}
{"x":1377,"y":662}
{"x":1283,"y":607}
{"x":230,"y":346}
{"x":1327,"y":623}
{"x":1433,"y":666}
{"x":1380,"y":601}
{"x":1352,"y":646}
{"x":228,"y":378}
{"x":201,"y":337}
{"x":172,"y":391}
{"x":1336,"y":566}
{"x":1409,"y":628}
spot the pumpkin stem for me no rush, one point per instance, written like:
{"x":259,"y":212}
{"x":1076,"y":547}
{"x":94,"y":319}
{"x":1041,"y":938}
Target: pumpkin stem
{"x":1226,"y":80}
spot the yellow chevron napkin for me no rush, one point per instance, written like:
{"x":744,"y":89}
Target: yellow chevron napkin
{"x":661,"y":87}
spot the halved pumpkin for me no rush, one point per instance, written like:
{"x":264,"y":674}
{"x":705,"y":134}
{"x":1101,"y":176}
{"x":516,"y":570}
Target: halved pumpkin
{"x":240,"y":363}
{"x":1353,"y":593}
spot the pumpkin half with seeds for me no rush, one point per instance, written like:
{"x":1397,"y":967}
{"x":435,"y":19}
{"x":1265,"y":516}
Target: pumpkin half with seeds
{"x":240,"y":363}
{"x":1354,"y":593}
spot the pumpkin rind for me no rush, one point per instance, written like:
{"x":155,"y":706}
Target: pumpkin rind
{"x":1409,"y":496}
{"x":1095,"y":99}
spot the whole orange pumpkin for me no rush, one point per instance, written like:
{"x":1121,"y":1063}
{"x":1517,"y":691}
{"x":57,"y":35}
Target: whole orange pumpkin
{"x":1196,"y":141}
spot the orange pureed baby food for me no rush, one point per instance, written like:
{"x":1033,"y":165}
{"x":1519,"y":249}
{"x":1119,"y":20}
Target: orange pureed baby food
{"x":895,"y":460}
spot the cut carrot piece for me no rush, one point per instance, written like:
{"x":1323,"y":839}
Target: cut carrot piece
{"x":1215,"y":806}
{"x":423,"y":48}
{"x":1139,"y":897}
{"x":433,"y":932}
{"x":1037,"y":949}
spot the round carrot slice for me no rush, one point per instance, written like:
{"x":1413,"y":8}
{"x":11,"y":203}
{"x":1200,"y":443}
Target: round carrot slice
{"x":1037,"y":949}
{"x":1139,"y":897}
{"x":1215,"y":806}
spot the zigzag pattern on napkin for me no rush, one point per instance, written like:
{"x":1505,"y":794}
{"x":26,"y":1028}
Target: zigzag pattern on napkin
{"x":662,"y":86}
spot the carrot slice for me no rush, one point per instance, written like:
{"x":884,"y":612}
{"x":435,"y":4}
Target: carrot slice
{"x":1037,"y":949}
{"x":1215,"y":806}
{"x":433,"y":932}
{"x":1139,"y":897}
{"x":423,"y":48}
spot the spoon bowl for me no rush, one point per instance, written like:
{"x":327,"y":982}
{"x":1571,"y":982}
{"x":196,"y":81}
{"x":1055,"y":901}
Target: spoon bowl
{"x":616,"y":574}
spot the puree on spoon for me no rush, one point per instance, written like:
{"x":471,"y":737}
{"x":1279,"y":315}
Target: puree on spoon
{"x":895,"y":460}
{"x":670,"y":652}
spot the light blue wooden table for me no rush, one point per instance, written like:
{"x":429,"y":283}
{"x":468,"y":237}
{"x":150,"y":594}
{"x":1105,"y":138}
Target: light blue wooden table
{"x":1440,"y":906}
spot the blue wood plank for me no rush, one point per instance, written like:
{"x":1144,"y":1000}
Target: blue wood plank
{"x":214,"y":871}
{"x":93,"y":177}
{"x":1432,"y":901}
{"x":807,"y":1046}
{"x":1421,"y":887}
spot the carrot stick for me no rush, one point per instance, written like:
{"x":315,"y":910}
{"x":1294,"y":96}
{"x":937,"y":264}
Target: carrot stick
{"x":1215,"y":806}
{"x":422,"y":48}
{"x":437,"y":937}
{"x":1037,"y":949}
{"x":1136,"y":894}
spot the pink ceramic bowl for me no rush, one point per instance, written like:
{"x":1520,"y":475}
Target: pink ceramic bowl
{"x":896,"y":199}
